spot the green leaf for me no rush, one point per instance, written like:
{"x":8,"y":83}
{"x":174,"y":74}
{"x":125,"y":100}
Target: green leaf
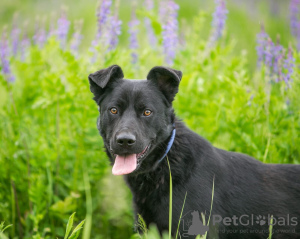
{"x":69,"y":225}
{"x":76,"y":231}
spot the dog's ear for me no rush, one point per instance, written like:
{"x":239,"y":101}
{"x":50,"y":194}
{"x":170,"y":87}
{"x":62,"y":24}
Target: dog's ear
{"x":166,"y":79}
{"x":100,"y":79}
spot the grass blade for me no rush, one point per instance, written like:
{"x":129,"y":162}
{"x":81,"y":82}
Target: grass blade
{"x":180,"y":215}
{"x":78,"y":227}
{"x":170,"y":202}
{"x":6,"y":227}
{"x":69,"y":225}
{"x":271,"y":228}
{"x":212,"y":199}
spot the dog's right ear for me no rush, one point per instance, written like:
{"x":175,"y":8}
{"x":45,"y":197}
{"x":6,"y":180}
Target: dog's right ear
{"x":100,"y":79}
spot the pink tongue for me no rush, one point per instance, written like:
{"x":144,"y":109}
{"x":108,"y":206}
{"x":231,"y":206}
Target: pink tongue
{"x":124,"y":164}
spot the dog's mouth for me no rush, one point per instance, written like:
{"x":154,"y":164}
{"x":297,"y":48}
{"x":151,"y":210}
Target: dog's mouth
{"x":125,"y":164}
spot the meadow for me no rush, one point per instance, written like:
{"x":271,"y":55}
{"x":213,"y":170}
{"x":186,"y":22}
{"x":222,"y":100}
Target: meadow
{"x":240,"y":90}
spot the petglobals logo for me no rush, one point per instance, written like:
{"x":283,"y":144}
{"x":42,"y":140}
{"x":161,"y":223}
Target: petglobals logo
{"x":252,"y":220}
{"x":192,"y":224}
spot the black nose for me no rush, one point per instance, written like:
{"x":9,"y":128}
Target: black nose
{"x":125,"y":139}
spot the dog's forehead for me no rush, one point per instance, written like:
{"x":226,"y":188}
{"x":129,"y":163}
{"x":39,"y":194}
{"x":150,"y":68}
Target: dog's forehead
{"x":135,"y":89}
{"x":133,"y":85}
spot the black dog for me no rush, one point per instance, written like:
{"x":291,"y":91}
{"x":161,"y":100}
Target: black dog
{"x":140,"y":133}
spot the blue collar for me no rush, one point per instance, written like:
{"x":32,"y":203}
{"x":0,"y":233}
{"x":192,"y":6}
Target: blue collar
{"x":169,"y":145}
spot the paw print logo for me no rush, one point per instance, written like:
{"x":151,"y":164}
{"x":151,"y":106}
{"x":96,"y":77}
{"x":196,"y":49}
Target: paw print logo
{"x":261,"y":220}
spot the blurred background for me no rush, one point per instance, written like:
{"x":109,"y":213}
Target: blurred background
{"x":240,"y":90}
{"x":244,"y":20}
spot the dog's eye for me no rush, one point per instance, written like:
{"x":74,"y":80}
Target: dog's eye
{"x":113,"y":110}
{"x":147,"y":112}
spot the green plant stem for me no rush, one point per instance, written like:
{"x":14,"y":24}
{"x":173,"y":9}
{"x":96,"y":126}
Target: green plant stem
{"x":89,"y":205}
{"x":180,"y":215}
{"x":18,"y":209}
{"x":57,"y":144}
{"x":170,"y":202}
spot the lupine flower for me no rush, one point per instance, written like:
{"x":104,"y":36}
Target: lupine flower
{"x":272,"y":55}
{"x":115,"y":31}
{"x":168,"y":13}
{"x":294,"y":16}
{"x":269,"y":54}
{"x":63,"y":26}
{"x":40,"y":35}
{"x":151,"y":36}
{"x":149,"y":4}
{"x":278,"y":52}
{"x":115,"y":28}
{"x":262,"y":39}
{"x":294,"y":20}
{"x":4,"y":55}
{"x":219,"y":19}
{"x":25,"y":44}
{"x":103,"y":16}
{"x":133,"y":33}
{"x":76,"y":38}
{"x":288,"y":65}
{"x":15,"y":38}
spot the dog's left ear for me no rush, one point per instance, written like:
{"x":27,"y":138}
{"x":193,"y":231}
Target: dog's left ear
{"x":167,"y":79}
{"x":100,"y":79}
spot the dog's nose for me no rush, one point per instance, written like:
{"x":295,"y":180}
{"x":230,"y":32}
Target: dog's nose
{"x":125,"y":139}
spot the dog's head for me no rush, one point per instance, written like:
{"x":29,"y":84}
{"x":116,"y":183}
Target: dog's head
{"x":136,"y":116}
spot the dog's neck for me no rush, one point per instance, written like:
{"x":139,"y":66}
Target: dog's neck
{"x":157,"y":180}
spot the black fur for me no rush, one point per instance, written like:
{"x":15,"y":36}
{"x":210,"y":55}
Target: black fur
{"x":242,"y":184}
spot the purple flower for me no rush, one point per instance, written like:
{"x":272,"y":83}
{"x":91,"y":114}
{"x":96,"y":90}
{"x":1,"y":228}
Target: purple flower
{"x":150,"y":33}
{"x":40,"y":35}
{"x":294,"y":20}
{"x":288,"y":65}
{"x":149,"y":4}
{"x":294,"y":16}
{"x":219,"y":19}
{"x":133,"y":33}
{"x":262,"y":39}
{"x":114,"y":32}
{"x":278,"y":53}
{"x":25,"y":44}
{"x":76,"y":38}
{"x":272,"y":55}
{"x":15,"y":37}
{"x":108,"y":29}
{"x":62,"y":31}
{"x":4,"y":55}
{"x":103,"y":16}
{"x":168,"y":14}
{"x":269,"y":54}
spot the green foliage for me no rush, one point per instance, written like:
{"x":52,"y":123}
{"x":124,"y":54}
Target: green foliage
{"x":51,"y":155}
{"x":76,"y":230}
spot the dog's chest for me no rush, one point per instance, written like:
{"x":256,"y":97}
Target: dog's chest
{"x":151,"y":198}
